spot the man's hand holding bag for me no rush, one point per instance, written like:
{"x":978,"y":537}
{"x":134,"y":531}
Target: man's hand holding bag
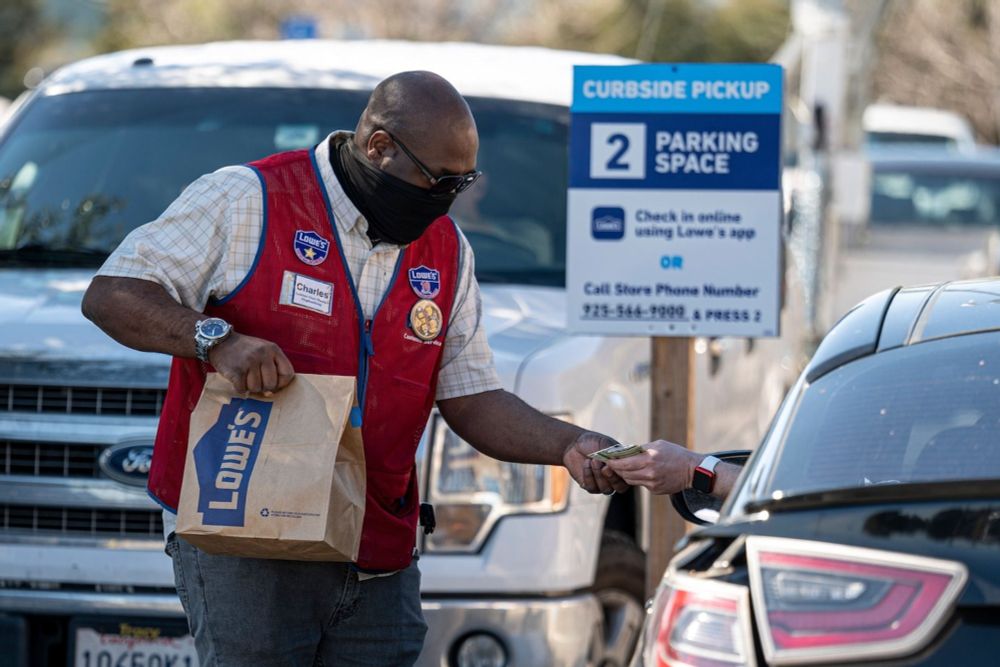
{"x":279,"y":477}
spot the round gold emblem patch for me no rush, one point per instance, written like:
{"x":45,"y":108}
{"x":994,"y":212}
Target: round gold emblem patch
{"x":426,"y":319}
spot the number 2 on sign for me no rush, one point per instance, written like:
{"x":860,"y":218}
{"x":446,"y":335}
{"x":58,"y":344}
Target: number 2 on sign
{"x":618,"y":150}
{"x":616,"y":160}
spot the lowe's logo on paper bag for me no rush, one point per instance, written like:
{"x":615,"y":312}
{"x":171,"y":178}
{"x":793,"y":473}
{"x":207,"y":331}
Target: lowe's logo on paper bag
{"x":224,"y":459}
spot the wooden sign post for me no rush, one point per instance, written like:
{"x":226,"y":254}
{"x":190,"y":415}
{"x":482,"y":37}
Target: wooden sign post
{"x":672,"y":418}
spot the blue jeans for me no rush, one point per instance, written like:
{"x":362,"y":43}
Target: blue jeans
{"x":249,"y":612}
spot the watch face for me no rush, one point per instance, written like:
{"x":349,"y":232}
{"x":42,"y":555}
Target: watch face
{"x":214,"y":328}
{"x":703,"y":480}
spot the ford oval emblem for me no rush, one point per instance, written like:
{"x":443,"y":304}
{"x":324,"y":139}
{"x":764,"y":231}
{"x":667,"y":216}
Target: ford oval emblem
{"x":127,"y":463}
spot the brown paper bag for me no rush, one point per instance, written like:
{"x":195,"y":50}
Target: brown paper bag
{"x":280,"y":477}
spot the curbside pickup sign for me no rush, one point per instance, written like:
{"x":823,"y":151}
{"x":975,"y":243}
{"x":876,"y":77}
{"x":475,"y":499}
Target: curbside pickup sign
{"x":674,"y":210}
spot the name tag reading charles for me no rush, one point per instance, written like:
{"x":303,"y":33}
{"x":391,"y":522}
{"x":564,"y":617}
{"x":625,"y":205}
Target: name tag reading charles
{"x":305,"y":292}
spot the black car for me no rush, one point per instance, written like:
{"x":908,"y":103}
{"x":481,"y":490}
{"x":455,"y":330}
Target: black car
{"x":866,"y":527}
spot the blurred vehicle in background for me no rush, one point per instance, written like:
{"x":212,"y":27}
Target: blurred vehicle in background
{"x":524,"y":568}
{"x":7,"y":109}
{"x":934,"y":216}
{"x":894,"y":126}
{"x":866,"y":527}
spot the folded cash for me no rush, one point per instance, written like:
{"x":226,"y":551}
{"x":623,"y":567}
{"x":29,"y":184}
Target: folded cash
{"x":617,"y":452}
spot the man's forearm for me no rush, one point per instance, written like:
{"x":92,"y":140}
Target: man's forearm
{"x":142,"y":315}
{"x":503,"y":426}
{"x":725,"y":479}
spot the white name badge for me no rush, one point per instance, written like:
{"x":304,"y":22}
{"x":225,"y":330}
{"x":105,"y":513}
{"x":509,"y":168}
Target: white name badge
{"x":305,"y":292}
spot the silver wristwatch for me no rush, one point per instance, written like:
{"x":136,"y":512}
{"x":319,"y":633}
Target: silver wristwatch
{"x":209,"y":333}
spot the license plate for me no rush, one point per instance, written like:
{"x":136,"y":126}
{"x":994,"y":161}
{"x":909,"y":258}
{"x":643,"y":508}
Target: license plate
{"x":133,"y":644}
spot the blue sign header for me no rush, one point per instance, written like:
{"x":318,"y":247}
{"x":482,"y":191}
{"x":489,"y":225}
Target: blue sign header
{"x":682,"y":88}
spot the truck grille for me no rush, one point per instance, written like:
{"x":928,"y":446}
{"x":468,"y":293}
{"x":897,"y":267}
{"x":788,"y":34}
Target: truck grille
{"x":82,"y":522}
{"x":49,"y":459}
{"x":80,"y":400}
{"x":22,"y":585}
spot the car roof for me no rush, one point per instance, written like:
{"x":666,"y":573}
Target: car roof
{"x":984,"y":159}
{"x":894,"y":118}
{"x":901,"y":317}
{"x":523,"y":73}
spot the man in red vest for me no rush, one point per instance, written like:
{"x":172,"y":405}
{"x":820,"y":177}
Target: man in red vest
{"x":339,"y":260}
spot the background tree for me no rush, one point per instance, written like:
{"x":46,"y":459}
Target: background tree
{"x":660,"y":30}
{"x":24,"y":27}
{"x":748,"y":30}
{"x":943,"y":53}
{"x":151,"y":22}
{"x":668,"y":30}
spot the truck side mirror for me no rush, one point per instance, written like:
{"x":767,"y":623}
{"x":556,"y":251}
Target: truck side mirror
{"x":703,"y":508}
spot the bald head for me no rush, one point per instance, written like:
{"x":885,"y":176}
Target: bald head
{"x":426,"y":113}
{"x":416,"y":106}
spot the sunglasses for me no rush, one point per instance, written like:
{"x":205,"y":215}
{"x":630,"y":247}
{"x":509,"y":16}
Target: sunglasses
{"x":441,"y":186}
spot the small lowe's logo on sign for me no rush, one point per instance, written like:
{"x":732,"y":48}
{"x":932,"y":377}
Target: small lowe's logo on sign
{"x":311,"y":248}
{"x":608,"y":223}
{"x":425,"y":282}
{"x":225,"y":457}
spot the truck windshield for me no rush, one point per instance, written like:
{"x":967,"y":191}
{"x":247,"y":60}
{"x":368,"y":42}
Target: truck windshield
{"x":935,"y":195}
{"x":78,"y":171}
{"x":924,"y":413}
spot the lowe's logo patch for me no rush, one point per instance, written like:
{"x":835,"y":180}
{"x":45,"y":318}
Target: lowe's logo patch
{"x":224,"y":459}
{"x":311,"y":248}
{"x":425,"y":282}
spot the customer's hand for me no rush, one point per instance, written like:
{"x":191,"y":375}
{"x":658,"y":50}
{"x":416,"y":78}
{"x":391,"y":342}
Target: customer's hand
{"x":593,"y":476}
{"x":252,"y":364}
{"x":663,"y":468}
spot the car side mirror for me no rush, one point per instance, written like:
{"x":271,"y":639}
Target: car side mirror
{"x":703,"y":508}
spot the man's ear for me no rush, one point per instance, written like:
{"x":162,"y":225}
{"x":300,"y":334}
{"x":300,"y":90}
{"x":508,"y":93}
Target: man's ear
{"x":379,"y":143}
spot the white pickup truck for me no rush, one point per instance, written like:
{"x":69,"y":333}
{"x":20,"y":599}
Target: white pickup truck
{"x":524,"y":568}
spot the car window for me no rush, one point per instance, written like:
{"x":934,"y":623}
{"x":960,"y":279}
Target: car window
{"x":908,"y":139}
{"x":935,"y":197}
{"x":927,"y":412}
{"x":80,"y":170}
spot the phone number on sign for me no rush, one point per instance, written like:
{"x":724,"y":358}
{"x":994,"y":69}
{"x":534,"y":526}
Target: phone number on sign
{"x":623,"y":311}
{"x":666,"y":313}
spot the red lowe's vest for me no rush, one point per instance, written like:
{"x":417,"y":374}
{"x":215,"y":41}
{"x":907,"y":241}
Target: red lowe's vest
{"x":397,"y":371}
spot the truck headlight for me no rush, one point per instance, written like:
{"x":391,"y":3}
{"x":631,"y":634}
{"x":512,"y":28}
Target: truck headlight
{"x":471,"y":491}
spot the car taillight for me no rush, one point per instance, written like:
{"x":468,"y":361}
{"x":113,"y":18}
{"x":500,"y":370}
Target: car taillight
{"x":816,"y":602}
{"x":699,"y":623}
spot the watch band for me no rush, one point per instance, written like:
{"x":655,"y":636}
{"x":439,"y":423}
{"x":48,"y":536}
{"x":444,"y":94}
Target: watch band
{"x":704,"y":474}
{"x":201,"y":348}
{"x":201,"y":344}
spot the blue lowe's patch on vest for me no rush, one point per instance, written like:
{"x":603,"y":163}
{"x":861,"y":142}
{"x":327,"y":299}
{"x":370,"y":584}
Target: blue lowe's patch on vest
{"x":311,"y":248}
{"x":425,"y":282}
{"x":224,"y":459}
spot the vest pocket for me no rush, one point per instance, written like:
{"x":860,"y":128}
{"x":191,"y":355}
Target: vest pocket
{"x":412,"y":387}
{"x":395,"y":493}
{"x":304,"y":362}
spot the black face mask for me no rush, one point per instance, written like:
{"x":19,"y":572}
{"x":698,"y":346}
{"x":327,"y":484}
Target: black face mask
{"x":396,"y":211}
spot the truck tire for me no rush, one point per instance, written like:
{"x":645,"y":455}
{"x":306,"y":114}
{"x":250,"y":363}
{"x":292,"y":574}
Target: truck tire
{"x":620,"y":588}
